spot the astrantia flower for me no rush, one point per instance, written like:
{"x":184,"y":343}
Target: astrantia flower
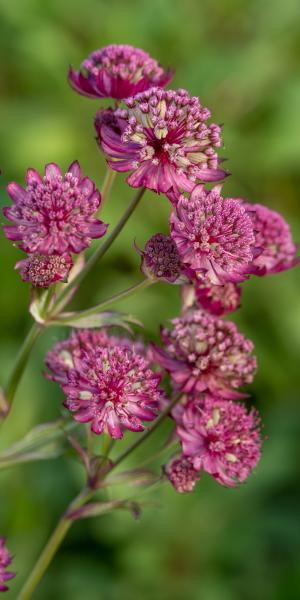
{"x":203,"y":352}
{"x":221,"y":438}
{"x":42,"y":270}
{"x":109,"y":385}
{"x":164,"y":140}
{"x":214,"y":236}
{"x":218,"y":299}
{"x":63,"y":355}
{"x":5,"y":561}
{"x":54,"y":214}
{"x":160,"y":259}
{"x":117,"y":71}
{"x":273,"y":236}
{"x":181,"y":474}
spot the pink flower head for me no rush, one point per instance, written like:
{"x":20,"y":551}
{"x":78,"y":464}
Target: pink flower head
{"x":108,"y":382}
{"x":203,"y":352}
{"x":181,"y":474}
{"x":63,"y":354}
{"x":273,"y":237}
{"x":221,"y":438}
{"x":5,"y":561}
{"x":164,"y":140}
{"x":117,"y":71}
{"x":214,"y":236}
{"x":160,"y":259}
{"x":43,"y":270}
{"x":54,"y":214}
{"x":218,"y":299}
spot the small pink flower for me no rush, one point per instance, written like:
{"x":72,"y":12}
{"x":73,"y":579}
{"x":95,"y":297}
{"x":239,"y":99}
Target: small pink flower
{"x":218,"y":299}
{"x":203,"y":352}
{"x":5,"y":561}
{"x":117,"y":71}
{"x":42,"y":270}
{"x":160,"y":259}
{"x":214,"y":236}
{"x":181,"y":474}
{"x":54,"y":214}
{"x":163,"y":138}
{"x":221,"y":438}
{"x":273,"y":237}
{"x":108,"y":382}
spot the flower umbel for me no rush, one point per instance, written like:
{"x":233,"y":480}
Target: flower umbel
{"x":221,"y":438}
{"x":205,"y":353}
{"x":273,"y":237}
{"x":164,"y":140}
{"x":218,"y":299}
{"x":5,"y":561}
{"x":42,"y":270}
{"x":109,"y":385}
{"x":160,"y":259}
{"x":181,"y":474}
{"x":214,"y":236}
{"x":54,"y":214}
{"x":117,"y":71}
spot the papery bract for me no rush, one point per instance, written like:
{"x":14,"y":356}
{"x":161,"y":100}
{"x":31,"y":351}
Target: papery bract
{"x":163,"y":139}
{"x":117,"y":71}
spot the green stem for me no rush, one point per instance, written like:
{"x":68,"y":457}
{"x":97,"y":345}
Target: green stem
{"x":101,"y":250}
{"x":35,"y":330}
{"x":21,"y":362}
{"x":99,"y":307}
{"x":107,"y":185}
{"x":52,"y":545}
{"x":146,"y":433}
{"x":65,"y":522}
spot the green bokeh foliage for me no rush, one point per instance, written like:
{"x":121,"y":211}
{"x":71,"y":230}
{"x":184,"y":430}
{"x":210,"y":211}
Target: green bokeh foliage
{"x":242,"y":59}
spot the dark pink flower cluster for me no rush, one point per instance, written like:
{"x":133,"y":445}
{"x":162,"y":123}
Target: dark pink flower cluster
{"x":117,"y":71}
{"x":5,"y":561}
{"x":214,"y":236}
{"x":160,"y":259}
{"x":108,"y":382}
{"x":203,"y":353}
{"x":41,"y":270}
{"x":163,"y":138}
{"x":273,"y":237}
{"x":219,"y":437}
{"x":52,"y":217}
{"x":218,"y":299}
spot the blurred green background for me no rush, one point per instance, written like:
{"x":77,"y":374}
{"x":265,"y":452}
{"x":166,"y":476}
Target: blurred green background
{"x":242,"y":59}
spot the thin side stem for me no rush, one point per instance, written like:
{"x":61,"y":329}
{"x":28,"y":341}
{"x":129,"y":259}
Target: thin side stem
{"x":107,"y":185}
{"x":99,"y":307}
{"x":146,"y":433}
{"x":105,"y":246}
{"x":65,"y":522}
{"x":21,"y":362}
{"x":52,"y":545}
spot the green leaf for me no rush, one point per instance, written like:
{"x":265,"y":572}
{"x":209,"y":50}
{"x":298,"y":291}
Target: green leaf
{"x":104,"y":319}
{"x":42,"y":442}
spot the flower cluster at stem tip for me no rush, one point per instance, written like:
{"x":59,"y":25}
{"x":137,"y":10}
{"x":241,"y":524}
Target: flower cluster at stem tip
{"x":165,"y":141}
